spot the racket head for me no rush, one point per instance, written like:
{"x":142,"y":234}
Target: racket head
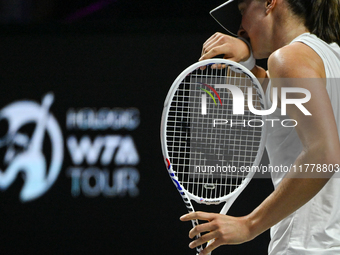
{"x":185,"y":130}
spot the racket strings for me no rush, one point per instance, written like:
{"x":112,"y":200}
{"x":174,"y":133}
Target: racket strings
{"x":207,"y":158}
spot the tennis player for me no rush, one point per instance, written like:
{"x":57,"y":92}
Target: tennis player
{"x":301,"y":39}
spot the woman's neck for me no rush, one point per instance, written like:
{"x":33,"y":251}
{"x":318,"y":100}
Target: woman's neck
{"x":286,"y":29}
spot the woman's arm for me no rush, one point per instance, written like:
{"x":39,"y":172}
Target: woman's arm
{"x":232,"y":49}
{"x":319,"y":137}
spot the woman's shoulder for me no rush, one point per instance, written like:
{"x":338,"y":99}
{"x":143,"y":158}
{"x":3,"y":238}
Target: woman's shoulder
{"x":295,"y":60}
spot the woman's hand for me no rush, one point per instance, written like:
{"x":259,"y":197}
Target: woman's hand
{"x":224,"y":229}
{"x":220,"y":44}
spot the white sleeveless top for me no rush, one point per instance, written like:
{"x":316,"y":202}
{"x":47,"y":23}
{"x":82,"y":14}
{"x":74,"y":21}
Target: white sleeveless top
{"x":314,"y":229}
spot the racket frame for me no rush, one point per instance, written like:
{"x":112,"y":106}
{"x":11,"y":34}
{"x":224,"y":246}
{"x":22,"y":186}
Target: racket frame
{"x":186,"y":195}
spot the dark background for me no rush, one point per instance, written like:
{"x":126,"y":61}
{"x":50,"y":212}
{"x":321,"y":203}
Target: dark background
{"x":105,"y":54}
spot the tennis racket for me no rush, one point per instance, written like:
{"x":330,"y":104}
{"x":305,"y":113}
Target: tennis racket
{"x":211,"y":138}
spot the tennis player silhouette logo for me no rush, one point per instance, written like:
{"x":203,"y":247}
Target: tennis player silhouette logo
{"x":24,"y":153}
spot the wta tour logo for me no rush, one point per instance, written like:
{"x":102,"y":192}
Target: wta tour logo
{"x":24,"y":151}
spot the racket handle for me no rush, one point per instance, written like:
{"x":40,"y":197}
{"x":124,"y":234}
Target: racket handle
{"x":210,"y":242}
{"x":199,"y":248}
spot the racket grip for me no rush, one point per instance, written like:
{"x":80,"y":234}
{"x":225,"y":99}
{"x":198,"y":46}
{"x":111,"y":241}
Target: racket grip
{"x":210,"y":242}
{"x":199,"y":248}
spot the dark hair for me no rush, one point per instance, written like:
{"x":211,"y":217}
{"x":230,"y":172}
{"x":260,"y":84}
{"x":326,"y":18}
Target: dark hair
{"x":322,"y":17}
